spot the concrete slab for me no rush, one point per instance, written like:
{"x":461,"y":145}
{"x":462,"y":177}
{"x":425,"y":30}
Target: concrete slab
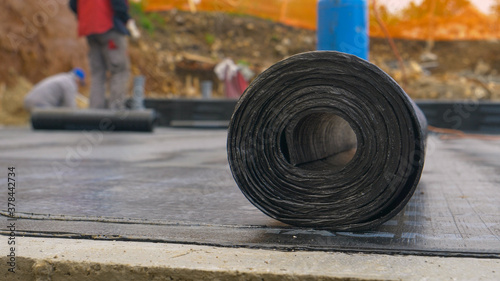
{"x":43,"y":259}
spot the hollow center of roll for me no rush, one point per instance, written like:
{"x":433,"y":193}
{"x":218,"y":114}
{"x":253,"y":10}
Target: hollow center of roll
{"x":319,"y":141}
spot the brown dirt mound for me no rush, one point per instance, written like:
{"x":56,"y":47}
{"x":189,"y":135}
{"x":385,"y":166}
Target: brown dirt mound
{"x":38,"y":39}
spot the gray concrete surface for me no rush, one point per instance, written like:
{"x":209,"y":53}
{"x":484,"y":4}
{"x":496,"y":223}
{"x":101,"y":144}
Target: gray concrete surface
{"x":70,"y":259}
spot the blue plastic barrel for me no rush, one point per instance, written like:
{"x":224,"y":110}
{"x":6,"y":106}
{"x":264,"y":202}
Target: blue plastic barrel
{"x":343,"y":26}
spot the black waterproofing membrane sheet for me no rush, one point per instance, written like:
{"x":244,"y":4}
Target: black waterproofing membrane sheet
{"x":175,"y":185}
{"x":327,"y":140}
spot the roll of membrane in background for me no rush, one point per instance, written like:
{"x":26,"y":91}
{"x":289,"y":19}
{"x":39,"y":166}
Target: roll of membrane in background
{"x":93,"y":119}
{"x":327,"y":140}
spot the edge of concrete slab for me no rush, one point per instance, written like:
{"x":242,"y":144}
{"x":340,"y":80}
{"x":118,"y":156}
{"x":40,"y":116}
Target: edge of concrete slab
{"x":48,"y":259}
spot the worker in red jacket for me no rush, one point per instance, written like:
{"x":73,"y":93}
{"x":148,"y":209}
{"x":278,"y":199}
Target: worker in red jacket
{"x":104,"y":23}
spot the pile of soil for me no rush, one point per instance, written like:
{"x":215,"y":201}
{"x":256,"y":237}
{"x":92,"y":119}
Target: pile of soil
{"x":185,"y":48}
{"x":178,"y":50}
{"x":37,"y":39}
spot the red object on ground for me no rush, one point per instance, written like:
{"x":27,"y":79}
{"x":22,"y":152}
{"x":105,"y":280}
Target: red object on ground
{"x":235,"y":86}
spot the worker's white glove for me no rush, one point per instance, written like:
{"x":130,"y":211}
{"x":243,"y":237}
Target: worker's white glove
{"x":134,"y":31}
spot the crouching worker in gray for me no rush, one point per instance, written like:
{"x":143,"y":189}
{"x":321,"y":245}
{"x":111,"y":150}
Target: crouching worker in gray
{"x":59,"y":90}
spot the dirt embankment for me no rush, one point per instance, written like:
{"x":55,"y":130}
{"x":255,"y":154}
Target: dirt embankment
{"x":185,"y":46}
{"x":37,"y":39}
{"x":179,"y":49}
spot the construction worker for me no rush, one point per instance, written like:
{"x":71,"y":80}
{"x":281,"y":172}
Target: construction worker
{"x":104,"y":23}
{"x":59,"y":90}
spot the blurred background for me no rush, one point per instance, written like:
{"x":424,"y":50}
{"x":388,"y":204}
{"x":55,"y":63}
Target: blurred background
{"x":443,"y":49}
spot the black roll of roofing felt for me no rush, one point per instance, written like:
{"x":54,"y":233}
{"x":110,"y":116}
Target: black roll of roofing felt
{"x":327,"y":140}
{"x":93,"y":119}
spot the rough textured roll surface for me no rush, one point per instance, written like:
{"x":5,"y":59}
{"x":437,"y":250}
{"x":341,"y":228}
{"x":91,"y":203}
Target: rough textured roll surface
{"x":327,"y":140}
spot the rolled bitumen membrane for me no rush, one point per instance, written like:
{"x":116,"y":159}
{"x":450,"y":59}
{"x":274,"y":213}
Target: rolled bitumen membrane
{"x":327,"y":140}
{"x":93,"y":119}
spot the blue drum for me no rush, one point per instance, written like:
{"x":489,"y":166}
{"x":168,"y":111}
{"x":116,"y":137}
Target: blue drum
{"x":343,"y":26}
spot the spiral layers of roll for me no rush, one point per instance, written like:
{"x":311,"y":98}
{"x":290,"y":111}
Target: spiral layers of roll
{"x":327,"y":140}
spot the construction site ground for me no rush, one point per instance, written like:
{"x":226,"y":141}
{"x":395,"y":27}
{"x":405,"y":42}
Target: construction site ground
{"x":179,"y":49}
{"x":164,"y":206}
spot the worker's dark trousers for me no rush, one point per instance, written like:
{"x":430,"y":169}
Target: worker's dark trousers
{"x":108,"y":52}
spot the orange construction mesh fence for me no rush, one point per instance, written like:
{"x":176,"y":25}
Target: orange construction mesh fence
{"x":300,"y":13}
{"x":431,"y":19}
